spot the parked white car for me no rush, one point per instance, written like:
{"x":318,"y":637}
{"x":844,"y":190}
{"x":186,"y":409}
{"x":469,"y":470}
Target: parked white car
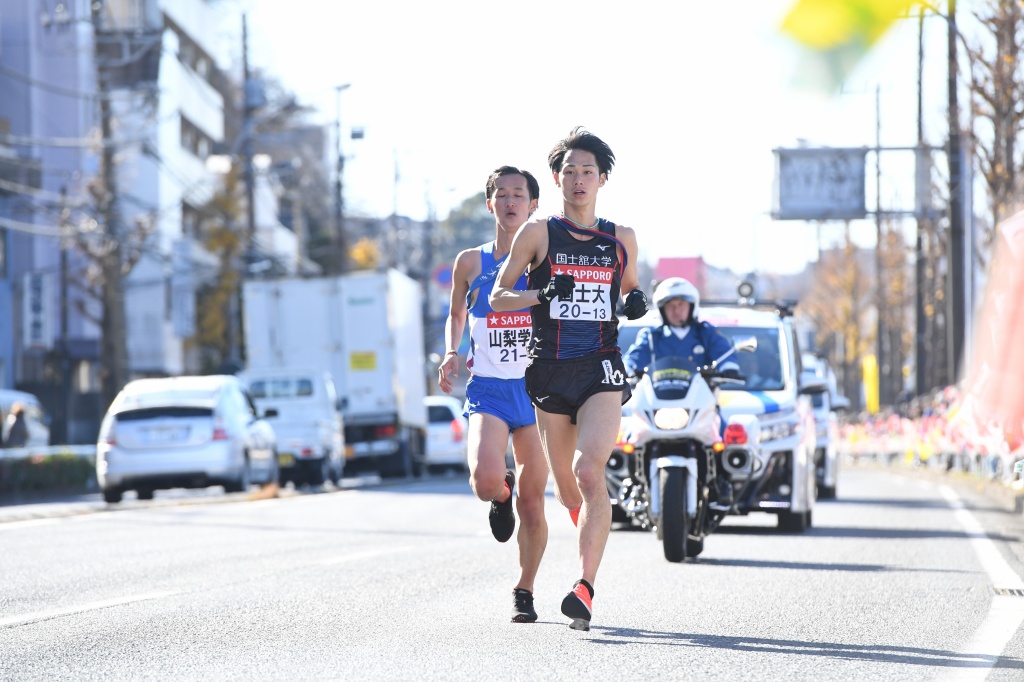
{"x":183,"y":432}
{"x":447,"y":430}
{"x":35,"y":418}
{"x":309,"y":425}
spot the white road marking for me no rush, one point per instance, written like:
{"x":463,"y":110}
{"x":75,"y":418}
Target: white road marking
{"x":27,"y":523}
{"x":356,"y":556}
{"x":1006,"y":613}
{"x":24,"y":618}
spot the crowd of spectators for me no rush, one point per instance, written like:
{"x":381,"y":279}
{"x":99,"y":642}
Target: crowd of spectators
{"x":946,"y":429}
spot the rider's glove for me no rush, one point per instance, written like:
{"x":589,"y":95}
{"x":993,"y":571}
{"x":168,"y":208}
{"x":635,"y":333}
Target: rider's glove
{"x":731,"y":373}
{"x":635,"y":305}
{"x":559,"y":285}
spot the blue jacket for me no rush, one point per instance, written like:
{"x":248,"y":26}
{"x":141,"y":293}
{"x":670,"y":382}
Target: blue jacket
{"x":701,"y":344}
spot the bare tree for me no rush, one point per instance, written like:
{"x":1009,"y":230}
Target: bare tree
{"x":997,"y":106}
{"x":838,"y":303}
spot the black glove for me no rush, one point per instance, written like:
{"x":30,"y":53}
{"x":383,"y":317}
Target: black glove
{"x":731,"y":373}
{"x":559,"y":285}
{"x":635,"y":305}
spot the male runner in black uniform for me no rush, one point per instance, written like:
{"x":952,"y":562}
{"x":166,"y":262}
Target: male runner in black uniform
{"x":577,"y":267}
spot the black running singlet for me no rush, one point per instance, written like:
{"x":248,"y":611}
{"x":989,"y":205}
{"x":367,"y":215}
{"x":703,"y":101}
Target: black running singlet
{"x":584,"y":323}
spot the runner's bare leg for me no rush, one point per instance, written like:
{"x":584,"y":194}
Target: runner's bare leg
{"x":531,"y":482}
{"x":598,"y":423}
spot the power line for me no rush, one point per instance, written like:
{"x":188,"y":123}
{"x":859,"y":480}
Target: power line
{"x":43,"y":85}
{"x":29,"y":228}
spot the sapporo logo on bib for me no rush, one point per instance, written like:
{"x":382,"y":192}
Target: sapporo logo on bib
{"x":508,"y":336}
{"x":591,"y":298}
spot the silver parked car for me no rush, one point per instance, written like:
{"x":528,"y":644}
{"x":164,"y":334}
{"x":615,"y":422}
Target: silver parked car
{"x":183,"y":432}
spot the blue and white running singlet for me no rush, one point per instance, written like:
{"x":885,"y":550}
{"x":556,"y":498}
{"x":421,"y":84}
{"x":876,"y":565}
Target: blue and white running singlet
{"x":499,"y":343}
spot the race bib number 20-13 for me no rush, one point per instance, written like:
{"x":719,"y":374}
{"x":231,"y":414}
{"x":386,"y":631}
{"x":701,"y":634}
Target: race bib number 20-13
{"x":591,"y":299}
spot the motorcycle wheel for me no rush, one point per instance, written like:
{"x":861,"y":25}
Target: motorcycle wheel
{"x":673,"y":513}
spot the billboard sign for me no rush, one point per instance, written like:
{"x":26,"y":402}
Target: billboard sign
{"x":819,"y":184}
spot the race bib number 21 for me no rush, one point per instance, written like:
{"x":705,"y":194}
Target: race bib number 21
{"x":508,"y":337}
{"x":591,"y":299}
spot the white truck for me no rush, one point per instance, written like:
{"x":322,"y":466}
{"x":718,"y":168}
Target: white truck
{"x":366,"y":329}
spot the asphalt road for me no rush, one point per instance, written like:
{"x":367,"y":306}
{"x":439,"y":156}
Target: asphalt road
{"x":899,"y":579}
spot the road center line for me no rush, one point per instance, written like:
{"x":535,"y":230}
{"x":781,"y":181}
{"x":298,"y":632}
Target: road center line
{"x":24,"y":618}
{"x":1005,"y":614}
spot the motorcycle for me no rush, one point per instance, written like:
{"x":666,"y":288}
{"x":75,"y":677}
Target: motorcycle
{"x":665,"y":473}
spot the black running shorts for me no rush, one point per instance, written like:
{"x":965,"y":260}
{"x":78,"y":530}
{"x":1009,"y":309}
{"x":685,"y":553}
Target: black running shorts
{"x":562,"y":386}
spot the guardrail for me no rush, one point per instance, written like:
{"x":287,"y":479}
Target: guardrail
{"x":44,"y":451}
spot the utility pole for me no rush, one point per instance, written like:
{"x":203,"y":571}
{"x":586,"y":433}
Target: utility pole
{"x":340,"y":245}
{"x":923,"y":220}
{"x":882,"y":360}
{"x":957,"y":284}
{"x":64,"y":430}
{"x":248,"y":107}
{"x":115,"y":342}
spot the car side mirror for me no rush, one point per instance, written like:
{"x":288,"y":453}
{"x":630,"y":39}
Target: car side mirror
{"x":269,"y":413}
{"x":811,"y":383}
{"x":840,"y":403}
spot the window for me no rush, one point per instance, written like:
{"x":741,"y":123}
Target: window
{"x":195,"y":140}
{"x":439,"y":414}
{"x":281,"y":388}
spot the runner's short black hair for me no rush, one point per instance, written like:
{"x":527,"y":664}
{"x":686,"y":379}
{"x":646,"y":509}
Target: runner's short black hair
{"x":532,"y":187}
{"x":579,"y":138}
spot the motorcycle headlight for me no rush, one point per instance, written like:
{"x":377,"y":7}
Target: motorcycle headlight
{"x":671,"y":418}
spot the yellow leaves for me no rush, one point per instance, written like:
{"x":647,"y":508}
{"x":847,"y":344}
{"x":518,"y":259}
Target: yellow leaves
{"x":838,"y":33}
{"x":365,"y":254}
{"x":830,"y":24}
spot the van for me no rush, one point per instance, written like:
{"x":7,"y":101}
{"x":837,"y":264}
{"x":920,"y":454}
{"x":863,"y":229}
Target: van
{"x":35,"y":418}
{"x":307,"y":420}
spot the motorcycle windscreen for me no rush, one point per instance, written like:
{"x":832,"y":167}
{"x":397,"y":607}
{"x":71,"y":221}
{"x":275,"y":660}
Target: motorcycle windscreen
{"x":671,"y":378}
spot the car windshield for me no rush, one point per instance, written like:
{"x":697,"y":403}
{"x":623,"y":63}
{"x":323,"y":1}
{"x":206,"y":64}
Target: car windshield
{"x":762,"y":368}
{"x":439,"y":413}
{"x":168,"y":412}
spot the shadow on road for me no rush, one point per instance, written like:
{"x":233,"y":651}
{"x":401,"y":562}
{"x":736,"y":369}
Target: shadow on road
{"x":879,"y":653}
{"x":810,"y":566}
{"x":874,"y":533}
{"x":905,"y":503}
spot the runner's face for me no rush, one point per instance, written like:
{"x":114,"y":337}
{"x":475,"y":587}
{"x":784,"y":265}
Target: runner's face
{"x":511,"y":203}
{"x":579,"y":178}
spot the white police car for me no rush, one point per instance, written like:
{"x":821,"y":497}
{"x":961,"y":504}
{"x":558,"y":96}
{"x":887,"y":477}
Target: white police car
{"x":779,"y":476}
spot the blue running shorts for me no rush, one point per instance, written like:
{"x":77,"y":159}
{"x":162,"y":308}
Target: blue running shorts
{"x":506,"y":399}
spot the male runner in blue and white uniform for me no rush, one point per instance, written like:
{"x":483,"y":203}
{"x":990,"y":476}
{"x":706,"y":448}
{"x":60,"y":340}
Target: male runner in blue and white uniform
{"x":578,"y":266}
{"x":496,"y":400}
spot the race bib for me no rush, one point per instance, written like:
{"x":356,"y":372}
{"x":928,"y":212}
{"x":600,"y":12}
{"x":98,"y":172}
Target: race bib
{"x":591,"y":299}
{"x":508,"y":337}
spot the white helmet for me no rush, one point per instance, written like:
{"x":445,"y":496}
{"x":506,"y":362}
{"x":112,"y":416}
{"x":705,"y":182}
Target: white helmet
{"x":676,"y":287}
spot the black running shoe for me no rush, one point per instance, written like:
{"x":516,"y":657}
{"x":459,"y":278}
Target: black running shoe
{"x":502,"y":518}
{"x":522,"y":608}
{"x":578,"y":605}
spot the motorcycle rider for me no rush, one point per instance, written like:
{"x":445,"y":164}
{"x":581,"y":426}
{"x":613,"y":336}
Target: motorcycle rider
{"x":684,"y":335}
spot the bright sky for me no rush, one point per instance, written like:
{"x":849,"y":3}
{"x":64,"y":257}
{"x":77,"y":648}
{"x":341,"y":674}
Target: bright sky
{"x":692,"y":98}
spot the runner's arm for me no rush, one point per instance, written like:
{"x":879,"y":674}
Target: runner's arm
{"x":526,"y":249}
{"x":630,"y":278}
{"x":456,"y":322}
